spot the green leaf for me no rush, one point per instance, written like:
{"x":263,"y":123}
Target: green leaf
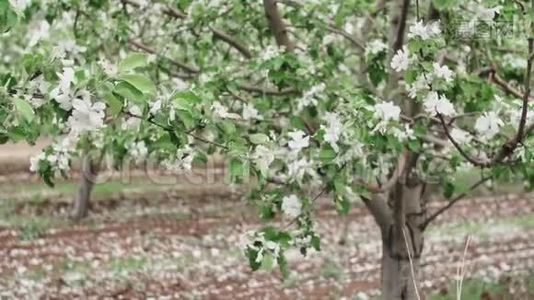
{"x":114,"y":103}
{"x":24,"y":109}
{"x":227,"y":127}
{"x":140,"y":82}
{"x":316,"y":243}
{"x":327,"y":154}
{"x":343,"y":205}
{"x":282,"y":263}
{"x":129,"y":92}
{"x":252,"y":255}
{"x":445,"y":4}
{"x":186,"y":99}
{"x":186,"y":118}
{"x":133,"y":61}
{"x":448,"y":190}
{"x":259,"y":138}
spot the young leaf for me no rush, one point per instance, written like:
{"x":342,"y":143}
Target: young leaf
{"x":258,"y":138}
{"x":140,"y":82}
{"x":24,"y":109}
{"x":133,"y":61}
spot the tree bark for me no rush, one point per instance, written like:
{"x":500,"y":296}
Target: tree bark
{"x":397,"y":280}
{"x":87,"y":180}
{"x":277,"y":25}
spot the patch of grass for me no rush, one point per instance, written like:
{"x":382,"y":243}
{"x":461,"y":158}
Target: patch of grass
{"x":472,"y":289}
{"x":127,"y":265}
{"x":483,"y":229}
{"x":332,"y":270}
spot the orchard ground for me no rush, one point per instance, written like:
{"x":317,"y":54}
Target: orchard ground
{"x":182,"y":241}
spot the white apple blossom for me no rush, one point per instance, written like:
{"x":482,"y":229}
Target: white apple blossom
{"x":65,"y":79}
{"x":443,"y":72}
{"x":222,"y":112}
{"x":488,"y":125}
{"x":19,"y":5}
{"x":155,"y":107}
{"x":514,"y":61}
{"x":298,"y":141}
{"x":460,"y":136}
{"x":37,"y":31}
{"x":138,"y":151}
{"x":182,"y":161}
{"x":35,"y":161}
{"x":404,"y":134}
{"x":132,"y":123}
{"x":262,"y":157}
{"x":421,"y":84}
{"x":291,"y":206}
{"x":385,"y":112}
{"x":375,"y":47}
{"x":65,"y":47}
{"x":423,"y":31}
{"x":309,"y":98}
{"x":270,"y":52}
{"x":483,"y":13}
{"x":109,"y":68}
{"x":86,"y":116}
{"x":436,"y":104}
{"x":63,"y":94}
{"x":296,"y":170}
{"x":400,"y":60}
{"x":251,"y":113}
{"x":332,"y":131}
{"x":515,"y":117}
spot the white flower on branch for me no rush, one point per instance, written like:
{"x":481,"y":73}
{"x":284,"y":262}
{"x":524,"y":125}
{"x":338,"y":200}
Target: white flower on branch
{"x":37,"y":31}
{"x":155,"y":107}
{"x":19,"y":5}
{"x":443,"y":72}
{"x":263,"y":157}
{"x":309,"y":98}
{"x":424,"y":32}
{"x":299,"y":140}
{"x":400,"y":60}
{"x":488,"y":125}
{"x":375,"y":47}
{"x":421,"y":84}
{"x":460,"y":136}
{"x":332,"y":131}
{"x":385,"y":112}
{"x":222,"y":112}
{"x":291,"y":206}
{"x":251,"y":113}
{"x":435,"y":104}
{"x":296,"y":170}
{"x":86,"y":116}
{"x":138,"y":151}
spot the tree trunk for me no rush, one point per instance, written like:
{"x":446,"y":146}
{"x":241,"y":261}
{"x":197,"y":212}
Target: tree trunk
{"x":87,"y":180}
{"x":400,"y":221}
{"x":400,"y":276}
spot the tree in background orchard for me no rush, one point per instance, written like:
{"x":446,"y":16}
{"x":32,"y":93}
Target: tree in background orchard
{"x":357,"y":100}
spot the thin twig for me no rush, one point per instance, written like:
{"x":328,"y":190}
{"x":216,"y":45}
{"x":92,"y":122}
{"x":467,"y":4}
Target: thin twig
{"x":452,"y":202}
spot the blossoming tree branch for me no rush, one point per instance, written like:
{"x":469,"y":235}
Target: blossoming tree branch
{"x":358,"y":101}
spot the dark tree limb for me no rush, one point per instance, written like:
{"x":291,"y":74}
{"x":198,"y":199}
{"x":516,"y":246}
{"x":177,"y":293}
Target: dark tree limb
{"x":380,"y":210}
{"x":453,"y":201}
{"x":148,"y":49}
{"x":277,"y":25}
{"x":219,"y":34}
